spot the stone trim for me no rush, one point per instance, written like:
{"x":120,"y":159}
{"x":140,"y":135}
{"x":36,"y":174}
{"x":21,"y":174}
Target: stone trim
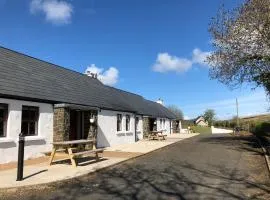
{"x":61,"y":124}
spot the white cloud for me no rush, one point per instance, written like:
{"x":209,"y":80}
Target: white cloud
{"x":107,"y":77}
{"x":56,"y":11}
{"x":199,"y":57}
{"x":166,"y":62}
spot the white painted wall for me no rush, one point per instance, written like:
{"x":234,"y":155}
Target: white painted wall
{"x":202,"y":123}
{"x":34,"y":145}
{"x":107,"y":129}
{"x":180,"y":126}
{"x":139,"y":131}
{"x":160,"y":126}
{"x":220,"y":130}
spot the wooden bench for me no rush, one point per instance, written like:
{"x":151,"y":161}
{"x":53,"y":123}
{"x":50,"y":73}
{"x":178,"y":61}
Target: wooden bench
{"x":74,"y":152}
{"x":93,"y":151}
{"x":159,"y":135}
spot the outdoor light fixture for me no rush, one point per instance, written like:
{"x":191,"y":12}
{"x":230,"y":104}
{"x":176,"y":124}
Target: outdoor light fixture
{"x":92,"y":118}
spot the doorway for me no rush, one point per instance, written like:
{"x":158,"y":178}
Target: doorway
{"x":153,"y":124}
{"x":76,"y":125}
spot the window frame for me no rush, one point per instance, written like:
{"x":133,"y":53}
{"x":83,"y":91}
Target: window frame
{"x":29,"y":120}
{"x":119,"y":119}
{"x":137,"y":121}
{"x":4,"y":120}
{"x":164,"y":124}
{"x":127,"y":122}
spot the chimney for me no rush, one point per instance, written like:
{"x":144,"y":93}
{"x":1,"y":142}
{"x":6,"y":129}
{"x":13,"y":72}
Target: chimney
{"x":93,"y":75}
{"x":160,"y":101}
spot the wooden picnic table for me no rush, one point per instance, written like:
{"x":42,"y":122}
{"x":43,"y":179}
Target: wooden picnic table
{"x":157,"y":135}
{"x":68,"y":146}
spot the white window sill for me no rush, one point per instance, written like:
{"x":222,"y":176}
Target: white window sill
{"x":118,"y":132}
{"x":32,"y":138}
{"x":6,"y":140}
{"x":124,"y":132}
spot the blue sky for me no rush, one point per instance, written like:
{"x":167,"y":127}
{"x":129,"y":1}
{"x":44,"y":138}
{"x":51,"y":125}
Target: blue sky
{"x":153,"y":48}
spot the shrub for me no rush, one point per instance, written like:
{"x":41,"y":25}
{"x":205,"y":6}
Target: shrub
{"x":261,"y":128}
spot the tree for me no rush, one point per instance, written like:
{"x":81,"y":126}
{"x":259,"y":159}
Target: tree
{"x":241,"y":42}
{"x":177,"y":111}
{"x":209,"y":116}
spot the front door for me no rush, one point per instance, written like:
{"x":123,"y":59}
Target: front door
{"x":153,"y":124}
{"x":76,"y":125}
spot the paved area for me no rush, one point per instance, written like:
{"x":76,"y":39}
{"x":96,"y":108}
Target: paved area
{"x":40,"y":173}
{"x":145,"y":146}
{"x":202,"y":167}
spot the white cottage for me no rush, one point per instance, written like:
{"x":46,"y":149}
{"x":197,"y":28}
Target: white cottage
{"x":47,"y":103}
{"x":34,"y":119}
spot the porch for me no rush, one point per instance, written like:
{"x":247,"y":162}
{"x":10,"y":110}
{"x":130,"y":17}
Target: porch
{"x":74,"y":122}
{"x":75,"y":133}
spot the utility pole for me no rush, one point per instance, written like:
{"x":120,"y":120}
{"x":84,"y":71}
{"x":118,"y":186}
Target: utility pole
{"x":237,"y":114}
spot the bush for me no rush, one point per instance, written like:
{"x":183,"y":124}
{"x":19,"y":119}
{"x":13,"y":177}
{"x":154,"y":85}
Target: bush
{"x":187,"y":123}
{"x":261,"y":128}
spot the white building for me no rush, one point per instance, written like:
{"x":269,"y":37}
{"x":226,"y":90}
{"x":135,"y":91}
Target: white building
{"x":32,"y":118}
{"x":47,"y":103}
{"x":200,"y":121}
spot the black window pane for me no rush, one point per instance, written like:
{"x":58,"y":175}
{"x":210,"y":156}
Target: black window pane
{"x":29,"y":120}
{"x":32,"y":115}
{"x":1,"y":114}
{"x":32,"y":129}
{"x":1,"y":129}
{"x":25,"y":115}
{"x":3,"y":119}
{"x":24,"y":129}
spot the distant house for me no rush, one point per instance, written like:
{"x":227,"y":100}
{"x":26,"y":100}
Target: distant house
{"x":200,"y":121}
{"x":48,"y":103}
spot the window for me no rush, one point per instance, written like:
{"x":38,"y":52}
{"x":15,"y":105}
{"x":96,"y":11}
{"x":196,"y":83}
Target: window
{"x":29,"y":120}
{"x":164,"y":126}
{"x":127,"y":122}
{"x":160,"y":122}
{"x":137,"y":123}
{"x":119,"y":122}
{"x":3,"y":119}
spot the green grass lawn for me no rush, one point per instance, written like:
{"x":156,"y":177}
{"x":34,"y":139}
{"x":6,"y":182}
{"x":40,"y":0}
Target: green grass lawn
{"x":201,"y":129}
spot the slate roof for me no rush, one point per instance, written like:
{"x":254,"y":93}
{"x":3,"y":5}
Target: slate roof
{"x":144,"y":106}
{"x":22,"y":76}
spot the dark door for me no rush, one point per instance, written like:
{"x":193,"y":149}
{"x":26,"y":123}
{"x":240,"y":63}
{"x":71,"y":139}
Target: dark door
{"x":73,"y":125}
{"x":153,"y":125}
{"x":76,"y":125}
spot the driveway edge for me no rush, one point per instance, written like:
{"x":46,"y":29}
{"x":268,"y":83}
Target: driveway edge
{"x":267,"y":159}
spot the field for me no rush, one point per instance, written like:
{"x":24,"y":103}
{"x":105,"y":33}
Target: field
{"x":201,"y":129}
